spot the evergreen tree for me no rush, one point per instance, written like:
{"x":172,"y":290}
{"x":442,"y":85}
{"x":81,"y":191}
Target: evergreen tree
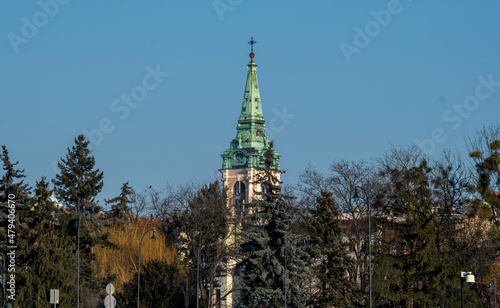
{"x":154,"y":293}
{"x":14,"y":196}
{"x":271,"y":263}
{"x":120,"y":211}
{"x":414,"y":260}
{"x":78,"y":183}
{"x":329,"y":258}
{"x":43,"y":254}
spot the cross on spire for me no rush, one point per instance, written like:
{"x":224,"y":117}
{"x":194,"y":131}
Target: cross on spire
{"x":252,"y":42}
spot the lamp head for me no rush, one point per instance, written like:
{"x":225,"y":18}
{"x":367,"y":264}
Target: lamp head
{"x":469,"y":279}
{"x":154,"y":236}
{"x":356,"y":196}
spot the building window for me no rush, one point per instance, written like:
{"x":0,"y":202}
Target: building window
{"x":239,"y":197}
{"x":217,"y":298}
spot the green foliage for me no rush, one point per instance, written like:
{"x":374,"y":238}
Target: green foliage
{"x":269,"y":253}
{"x":43,"y":256}
{"x":12,"y":184}
{"x":120,"y":211}
{"x":77,"y":181}
{"x":329,"y":258}
{"x":488,"y":176}
{"x":415,"y":262}
{"x":153,"y":293}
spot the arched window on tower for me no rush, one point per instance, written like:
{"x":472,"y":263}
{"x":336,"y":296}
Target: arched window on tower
{"x":239,"y":198}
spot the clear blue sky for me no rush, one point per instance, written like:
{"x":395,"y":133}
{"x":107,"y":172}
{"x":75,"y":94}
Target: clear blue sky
{"x":61,"y":71}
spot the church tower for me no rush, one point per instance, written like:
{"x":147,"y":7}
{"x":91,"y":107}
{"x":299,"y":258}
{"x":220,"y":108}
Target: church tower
{"x":241,"y":160}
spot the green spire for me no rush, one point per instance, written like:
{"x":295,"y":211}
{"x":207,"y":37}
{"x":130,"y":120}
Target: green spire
{"x":251,"y":140}
{"x":251,"y":124}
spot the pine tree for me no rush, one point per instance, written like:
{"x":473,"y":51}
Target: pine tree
{"x":43,"y":254}
{"x":120,"y":211}
{"x":271,"y":262}
{"x":414,"y":262}
{"x":78,"y":183}
{"x":154,"y":293}
{"x":14,"y":197}
{"x":329,"y":258}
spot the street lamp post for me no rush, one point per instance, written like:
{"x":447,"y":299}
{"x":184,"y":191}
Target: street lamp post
{"x":356,"y":196}
{"x":468,"y":278}
{"x":78,"y":213}
{"x":493,"y":288}
{"x":184,"y":291}
{"x":141,"y":237}
{"x":304,"y":247}
{"x":78,"y":252}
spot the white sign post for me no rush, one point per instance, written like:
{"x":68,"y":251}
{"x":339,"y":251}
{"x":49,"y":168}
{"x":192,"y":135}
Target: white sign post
{"x":110,"y":300}
{"x":54,"y":296}
{"x":110,"y":289}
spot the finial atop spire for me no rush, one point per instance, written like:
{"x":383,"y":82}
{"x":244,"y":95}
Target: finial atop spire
{"x":252,"y":42}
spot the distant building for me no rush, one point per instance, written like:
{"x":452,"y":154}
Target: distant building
{"x":56,"y":202}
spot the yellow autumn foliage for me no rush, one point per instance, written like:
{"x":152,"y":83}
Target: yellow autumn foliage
{"x":123,"y":261}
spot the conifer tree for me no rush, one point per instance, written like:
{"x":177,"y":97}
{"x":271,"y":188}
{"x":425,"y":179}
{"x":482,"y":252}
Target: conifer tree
{"x":414,"y":260}
{"x":78,"y":183}
{"x":120,"y":211}
{"x":13,"y":195}
{"x":43,"y":256}
{"x":154,"y":293}
{"x":329,"y":258}
{"x":271,"y":262}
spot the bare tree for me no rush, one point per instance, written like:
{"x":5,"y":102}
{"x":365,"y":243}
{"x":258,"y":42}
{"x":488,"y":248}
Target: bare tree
{"x":482,"y":139}
{"x":139,"y":204}
{"x":341,"y":181}
{"x":196,"y":220}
